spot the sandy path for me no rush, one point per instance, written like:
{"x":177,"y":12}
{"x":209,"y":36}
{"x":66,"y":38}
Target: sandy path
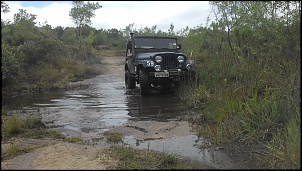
{"x":56,"y":155}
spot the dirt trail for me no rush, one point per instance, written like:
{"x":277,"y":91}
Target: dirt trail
{"x":58,"y":155}
{"x":61,"y":155}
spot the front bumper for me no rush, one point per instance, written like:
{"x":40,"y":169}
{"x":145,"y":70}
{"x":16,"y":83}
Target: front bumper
{"x":174,"y":76}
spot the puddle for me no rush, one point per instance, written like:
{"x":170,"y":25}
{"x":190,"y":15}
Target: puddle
{"x":183,"y":146}
{"x":71,"y":128}
{"x":106,"y":104}
{"x":115,"y":118}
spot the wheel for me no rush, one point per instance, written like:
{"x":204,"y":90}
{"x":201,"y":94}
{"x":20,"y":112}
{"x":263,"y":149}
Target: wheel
{"x":144,"y":82}
{"x":129,"y":80}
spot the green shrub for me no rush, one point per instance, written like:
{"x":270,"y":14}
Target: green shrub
{"x":31,"y":122}
{"x":12,"y":126}
{"x":114,"y":137}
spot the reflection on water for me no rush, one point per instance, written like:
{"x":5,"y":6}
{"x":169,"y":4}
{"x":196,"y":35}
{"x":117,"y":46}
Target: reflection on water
{"x":104,"y":104}
{"x":116,"y":118}
{"x":125,"y":103}
{"x":184,"y":146}
{"x":159,"y":106}
{"x":31,"y":100}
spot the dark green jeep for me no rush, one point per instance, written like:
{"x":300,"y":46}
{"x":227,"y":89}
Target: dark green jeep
{"x":154,"y":61}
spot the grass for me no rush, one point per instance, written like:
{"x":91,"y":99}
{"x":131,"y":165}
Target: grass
{"x":14,"y":127}
{"x":285,"y":148}
{"x":114,"y":137}
{"x":253,"y":102}
{"x":15,"y":150}
{"x":69,"y":66}
{"x":11,"y":126}
{"x":129,"y":158}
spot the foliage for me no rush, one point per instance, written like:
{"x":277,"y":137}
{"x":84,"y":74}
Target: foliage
{"x":132,"y":159}
{"x":114,"y":137}
{"x":69,"y":36}
{"x":81,"y":14}
{"x":249,"y":67}
{"x":249,"y":76}
{"x":12,"y":126}
{"x":36,"y":56}
{"x":14,"y":150}
{"x":4,"y":7}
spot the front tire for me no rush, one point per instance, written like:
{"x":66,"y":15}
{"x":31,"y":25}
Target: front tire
{"x":129,"y":80}
{"x":144,"y":82}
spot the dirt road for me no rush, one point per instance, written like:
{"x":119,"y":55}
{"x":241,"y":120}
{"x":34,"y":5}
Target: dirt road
{"x":57,"y":155}
{"x":61,"y":155}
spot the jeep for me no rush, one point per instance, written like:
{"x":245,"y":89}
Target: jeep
{"x":155,"y":62}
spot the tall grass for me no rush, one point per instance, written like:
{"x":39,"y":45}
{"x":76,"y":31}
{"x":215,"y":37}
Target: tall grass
{"x":285,"y":147}
{"x":12,"y":126}
{"x":253,"y":101}
{"x":129,"y":158}
{"x":28,"y":126}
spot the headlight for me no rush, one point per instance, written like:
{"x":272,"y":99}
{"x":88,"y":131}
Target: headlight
{"x":189,"y":66}
{"x":150,"y":63}
{"x":158,"y":59}
{"x":180,"y":59}
{"x":157,"y":68}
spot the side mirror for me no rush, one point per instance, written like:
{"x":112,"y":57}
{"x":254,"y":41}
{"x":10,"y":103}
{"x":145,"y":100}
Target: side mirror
{"x":178,"y":46}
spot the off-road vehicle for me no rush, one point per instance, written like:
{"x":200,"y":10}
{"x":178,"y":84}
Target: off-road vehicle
{"x":155,"y":62}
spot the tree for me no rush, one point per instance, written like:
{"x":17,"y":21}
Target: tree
{"x":59,"y":30}
{"x":130,"y":28}
{"x":23,"y":27}
{"x":22,"y":15}
{"x":147,"y":31}
{"x":171,"y":30}
{"x":81,"y":14}
{"x":69,"y":36}
{"x":4,"y":7}
{"x":90,"y":38}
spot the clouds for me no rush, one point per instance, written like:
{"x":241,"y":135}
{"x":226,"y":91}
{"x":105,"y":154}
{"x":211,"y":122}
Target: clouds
{"x":56,"y":14}
{"x":119,"y":14}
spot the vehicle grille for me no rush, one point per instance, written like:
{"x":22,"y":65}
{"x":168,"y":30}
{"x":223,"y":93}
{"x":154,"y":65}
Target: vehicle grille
{"x":169,"y":61}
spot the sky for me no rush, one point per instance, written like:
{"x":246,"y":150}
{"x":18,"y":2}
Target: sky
{"x":119,"y":14}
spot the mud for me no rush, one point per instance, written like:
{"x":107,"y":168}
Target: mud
{"x":101,"y":104}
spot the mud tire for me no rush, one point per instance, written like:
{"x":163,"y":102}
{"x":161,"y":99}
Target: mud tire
{"x":144,"y":82}
{"x":129,"y":80}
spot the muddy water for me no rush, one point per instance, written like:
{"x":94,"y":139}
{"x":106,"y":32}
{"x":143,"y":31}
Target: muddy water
{"x":103,"y":104}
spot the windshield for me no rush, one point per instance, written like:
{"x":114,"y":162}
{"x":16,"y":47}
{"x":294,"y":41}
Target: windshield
{"x":155,"y":42}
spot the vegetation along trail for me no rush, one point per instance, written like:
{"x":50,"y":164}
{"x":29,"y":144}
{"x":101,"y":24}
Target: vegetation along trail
{"x":65,"y":104}
{"x":105,"y":106}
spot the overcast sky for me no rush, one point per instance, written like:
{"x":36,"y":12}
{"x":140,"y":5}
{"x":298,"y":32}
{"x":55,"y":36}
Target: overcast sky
{"x":119,"y":14}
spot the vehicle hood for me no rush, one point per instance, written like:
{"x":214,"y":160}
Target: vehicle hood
{"x":149,"y":55}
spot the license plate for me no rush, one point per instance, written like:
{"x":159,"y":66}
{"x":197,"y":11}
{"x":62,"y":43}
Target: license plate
{"x":161,"y":74}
